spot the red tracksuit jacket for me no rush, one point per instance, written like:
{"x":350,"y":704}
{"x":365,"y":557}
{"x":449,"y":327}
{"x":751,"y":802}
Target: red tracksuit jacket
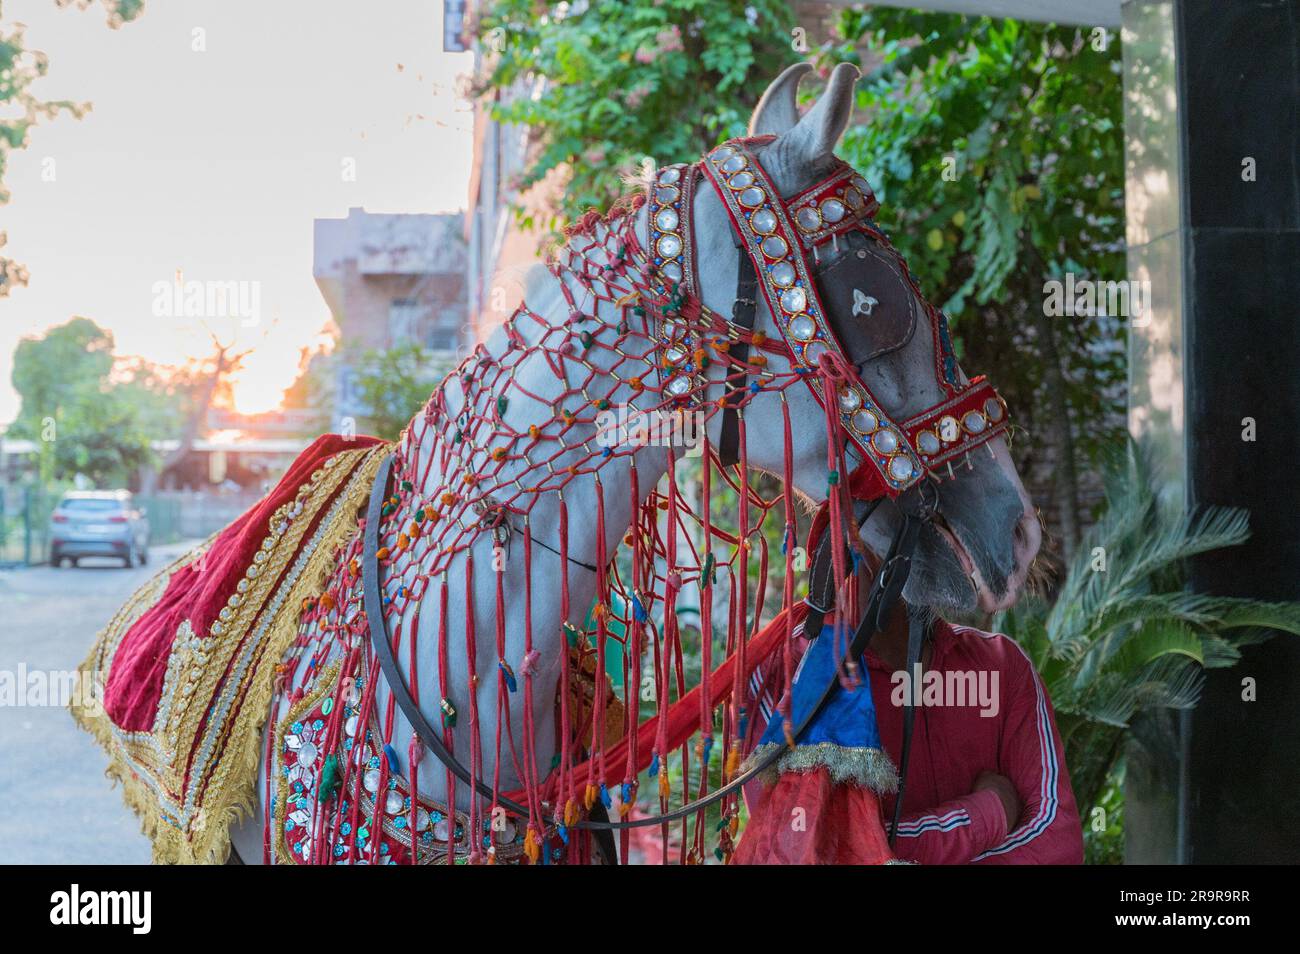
{"x":944,"y":821}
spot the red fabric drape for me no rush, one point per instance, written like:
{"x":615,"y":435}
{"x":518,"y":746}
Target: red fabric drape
{"x":197,"y":592}
{"x":806,"y":819}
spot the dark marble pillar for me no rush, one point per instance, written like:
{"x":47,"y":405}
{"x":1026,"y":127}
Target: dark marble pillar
{"x":1212,"y":95}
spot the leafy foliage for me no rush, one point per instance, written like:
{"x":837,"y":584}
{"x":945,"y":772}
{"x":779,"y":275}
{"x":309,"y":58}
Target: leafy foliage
{"x":83,"y":418}
{"x":21,"y":109}
{"x":996,"y":150}
{"x":628,"y":81}
{"x":395,"y":383}
{"x":1125,"y":635}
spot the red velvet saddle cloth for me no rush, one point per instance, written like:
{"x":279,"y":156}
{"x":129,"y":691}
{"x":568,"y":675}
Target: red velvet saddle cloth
{"x":184,"y":672}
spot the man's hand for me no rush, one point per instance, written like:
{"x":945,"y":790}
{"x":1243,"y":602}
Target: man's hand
{"x":1006,"y":792}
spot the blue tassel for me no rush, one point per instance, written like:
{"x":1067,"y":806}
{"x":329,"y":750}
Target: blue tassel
{"x":509,"y":675}
{"x":625,"y":793}
{"x":638,"y":610}
{"x":708,"y":748}
{"x":563,"y":832}
{"x":653,"y":770}
{"x":391,"y":754}
{"x":604,"y":796}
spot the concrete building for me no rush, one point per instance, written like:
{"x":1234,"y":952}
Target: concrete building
{"x":390,"y":279}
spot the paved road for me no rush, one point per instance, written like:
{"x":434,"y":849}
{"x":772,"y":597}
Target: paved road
{"x":58,"y":805}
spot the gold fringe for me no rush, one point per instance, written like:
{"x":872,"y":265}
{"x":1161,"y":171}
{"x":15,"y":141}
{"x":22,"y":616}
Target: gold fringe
{"x":230,"y":795}
{"x":870,"y":768}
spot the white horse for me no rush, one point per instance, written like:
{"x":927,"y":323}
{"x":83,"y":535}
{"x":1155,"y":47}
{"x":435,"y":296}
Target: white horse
{"x":976,"y":557}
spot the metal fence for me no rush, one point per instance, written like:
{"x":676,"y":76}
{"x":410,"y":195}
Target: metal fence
{"x":173,"y":515}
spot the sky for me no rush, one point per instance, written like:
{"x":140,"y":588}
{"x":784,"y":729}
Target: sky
{"x":216,"y":161}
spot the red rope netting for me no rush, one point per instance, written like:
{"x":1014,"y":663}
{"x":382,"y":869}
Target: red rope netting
{"x":486,"y":450}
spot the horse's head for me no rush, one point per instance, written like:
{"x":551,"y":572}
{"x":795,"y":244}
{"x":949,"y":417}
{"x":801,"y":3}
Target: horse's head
{"x":977,"y":551}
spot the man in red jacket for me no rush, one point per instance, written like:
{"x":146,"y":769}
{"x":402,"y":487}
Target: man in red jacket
{"x":987,"y":781}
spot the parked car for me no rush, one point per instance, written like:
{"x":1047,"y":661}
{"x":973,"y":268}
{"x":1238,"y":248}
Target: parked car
{"x":99,"y":523}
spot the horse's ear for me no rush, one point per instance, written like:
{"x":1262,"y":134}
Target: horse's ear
{"x":776,"y":113}
{"x":807,"y":149}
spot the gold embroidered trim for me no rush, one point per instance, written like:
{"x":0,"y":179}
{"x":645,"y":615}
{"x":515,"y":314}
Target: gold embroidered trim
{"x":231,"y":671}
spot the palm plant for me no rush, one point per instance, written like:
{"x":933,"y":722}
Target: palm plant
{"x":1125,"y":635}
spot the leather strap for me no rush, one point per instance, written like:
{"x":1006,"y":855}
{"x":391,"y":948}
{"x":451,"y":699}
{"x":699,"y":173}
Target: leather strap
{"x":917,"y":630}
{"x":743,"y":314}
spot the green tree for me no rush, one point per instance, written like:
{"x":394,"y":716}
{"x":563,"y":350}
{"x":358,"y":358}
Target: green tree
{"x":1125,"y":635}
{"x":21,"y":108}
{"x":628,"y":81}
{"x":996,"y":150}
{"x":394,"y":383}
{"x":82,"y":420}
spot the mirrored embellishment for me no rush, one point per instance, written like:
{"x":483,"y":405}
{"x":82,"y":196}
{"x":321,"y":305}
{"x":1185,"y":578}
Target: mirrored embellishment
{"x":733,"y":164}
{"x":860,"y":184}
{"x":850,"y":400}
{"x":394,"y":802}
{"x":794,"y":300}
{"x":993,"y":408}
{"x":927,"y":442}
{"x":675,"y":354}
{"x":865,"y":421}
{"x":774,"y":247}
{"x":350,"y":727}
{"x":949,"y":429}
{"x":974,"y":422}
{"x":670,"y":246}
{"x":371,"y":780}
{"x":441,"y":829}
{"x":853,"y":198}
{"x":813,"y":352}
{"x":832,"y":210}
{"x":802,"y":328}
{"x":666,"y":194}
{"x":307,"y":755}
{"x":422,"y":820}
{"x":885,"y":441}
{"x":900,"y":468}
{"x":752,"y":196}
{"x":666,"y":220}
{"x":672,"y":270}
{"x":783,"y":273}
{"x":722,"y":153}
{"x":679,"y":385}
{"x":741,"y":179}
{"x":670,"y":175}
{"x":763,"y":221}
{"x":808,"y":219}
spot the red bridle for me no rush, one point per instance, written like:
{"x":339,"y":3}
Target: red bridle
{"x":778,"y":235}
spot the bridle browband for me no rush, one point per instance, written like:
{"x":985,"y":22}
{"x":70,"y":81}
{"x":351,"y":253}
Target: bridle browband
{"x":895,"y":460}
